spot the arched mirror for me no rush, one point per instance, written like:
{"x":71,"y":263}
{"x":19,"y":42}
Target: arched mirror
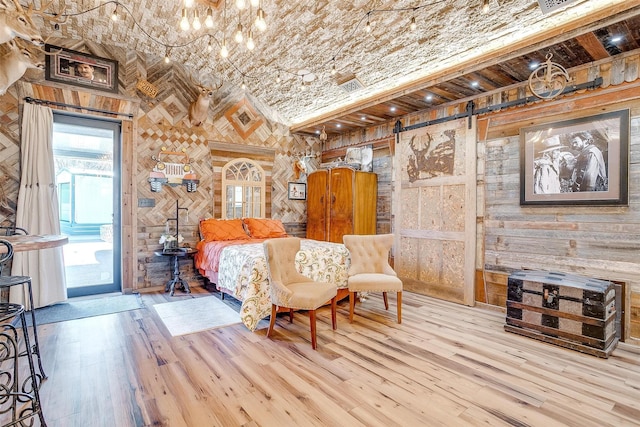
{"x":243,"y":186}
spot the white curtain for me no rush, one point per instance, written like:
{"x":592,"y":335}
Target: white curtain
{"x":37,"y":211}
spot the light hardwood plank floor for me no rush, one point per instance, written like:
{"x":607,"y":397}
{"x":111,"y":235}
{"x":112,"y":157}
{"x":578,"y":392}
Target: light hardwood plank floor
{"x":445,"y":365}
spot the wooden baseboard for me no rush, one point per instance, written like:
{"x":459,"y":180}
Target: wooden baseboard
{"x":491,"y":307}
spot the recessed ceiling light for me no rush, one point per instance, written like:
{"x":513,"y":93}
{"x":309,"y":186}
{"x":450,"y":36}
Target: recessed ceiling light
{"x":392,"y":109}
{"x":475,"y":84}
{"x":534,"y":65}
{"x":363,"y":118}
{"x":317,"y":132}
{"x":338,"y":125}
{"x":616,"y":39}
{"x":429,"y":97}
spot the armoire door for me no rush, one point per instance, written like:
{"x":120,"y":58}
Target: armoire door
{"x":317,"y":205}
{"x":340,"y":203}
{"x":365,"y":203}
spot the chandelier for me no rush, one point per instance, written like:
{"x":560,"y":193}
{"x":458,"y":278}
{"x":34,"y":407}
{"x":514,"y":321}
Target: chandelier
{"x":191,"y":19}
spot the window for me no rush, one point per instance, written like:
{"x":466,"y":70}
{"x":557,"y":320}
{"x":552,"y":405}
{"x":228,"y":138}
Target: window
{"x":243,"y":184}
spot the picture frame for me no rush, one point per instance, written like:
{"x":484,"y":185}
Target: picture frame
{"x":297,"y":191}
{"x":583,"y":161}
{"x":80,"y":69}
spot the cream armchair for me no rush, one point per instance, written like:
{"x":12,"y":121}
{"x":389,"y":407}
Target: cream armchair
{"x":292,"y":290}
{"x":370,"y":270}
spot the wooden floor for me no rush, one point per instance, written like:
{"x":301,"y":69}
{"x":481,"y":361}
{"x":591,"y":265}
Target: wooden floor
{"x":446,"y":364}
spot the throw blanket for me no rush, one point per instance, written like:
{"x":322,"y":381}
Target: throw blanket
{"x":243,"y":273}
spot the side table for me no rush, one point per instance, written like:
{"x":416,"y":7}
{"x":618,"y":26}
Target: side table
{"x":175,"y":255}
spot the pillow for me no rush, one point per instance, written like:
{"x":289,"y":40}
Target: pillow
{"x":262,"y":228}
{"x":222,"y":229}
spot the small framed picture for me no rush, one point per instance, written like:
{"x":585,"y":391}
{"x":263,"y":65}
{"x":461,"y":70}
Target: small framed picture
{"x":80,"y":69}
{"x":297,"y":191}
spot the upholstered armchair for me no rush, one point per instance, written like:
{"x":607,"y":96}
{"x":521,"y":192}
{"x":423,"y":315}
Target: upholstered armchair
{"x":291,"y":290}
{"x":370,"y":270}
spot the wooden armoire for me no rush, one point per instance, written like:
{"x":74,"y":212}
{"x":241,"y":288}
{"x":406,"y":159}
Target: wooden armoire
{"x":341,"y":201}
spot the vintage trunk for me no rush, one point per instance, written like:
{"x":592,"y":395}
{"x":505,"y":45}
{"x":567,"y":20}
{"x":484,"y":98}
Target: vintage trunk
{"x":572,"y":311}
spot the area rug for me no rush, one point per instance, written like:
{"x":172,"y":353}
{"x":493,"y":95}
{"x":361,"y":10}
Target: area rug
{"x":195,"y":315}
{"x":71,"y":310}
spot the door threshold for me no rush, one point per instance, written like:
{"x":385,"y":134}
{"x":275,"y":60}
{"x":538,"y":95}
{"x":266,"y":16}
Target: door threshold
{"x":95,"y":296}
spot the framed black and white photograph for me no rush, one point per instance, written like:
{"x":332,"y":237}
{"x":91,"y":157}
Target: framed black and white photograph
{"x":297,"y":191}
{"x":80,"y":69}
{"x":582,"y":161}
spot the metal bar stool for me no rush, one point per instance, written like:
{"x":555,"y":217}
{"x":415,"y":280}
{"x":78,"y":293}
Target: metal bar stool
{"x":19,"y":399}
{"x":12,"y":230}
{"x":7,"y":282}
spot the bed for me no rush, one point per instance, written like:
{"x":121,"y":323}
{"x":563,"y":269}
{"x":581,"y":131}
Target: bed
{"x":231,"y":255}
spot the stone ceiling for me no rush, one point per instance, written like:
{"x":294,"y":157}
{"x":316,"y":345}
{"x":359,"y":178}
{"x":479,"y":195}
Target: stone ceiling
{"x":313,"y":35}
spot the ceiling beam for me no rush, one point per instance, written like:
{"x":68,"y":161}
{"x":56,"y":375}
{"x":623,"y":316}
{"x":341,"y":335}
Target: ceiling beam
{"x":571,"y":29}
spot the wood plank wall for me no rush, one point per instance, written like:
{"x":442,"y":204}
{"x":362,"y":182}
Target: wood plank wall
{"x":600,"y":242}
{"x":223,"y":153}
{"x":594,"y":241}
{"x":157,"y":122}
{"x":382,"y":166}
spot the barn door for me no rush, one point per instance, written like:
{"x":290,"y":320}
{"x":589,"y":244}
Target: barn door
{"x":435,"y":210}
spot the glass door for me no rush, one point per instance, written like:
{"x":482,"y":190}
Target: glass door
{"x":87,"y":166}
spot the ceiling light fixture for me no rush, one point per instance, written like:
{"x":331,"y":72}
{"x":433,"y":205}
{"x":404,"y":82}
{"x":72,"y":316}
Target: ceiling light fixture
{"x":261,"y":24}
{"x":192,"y":21}
{"x":184,"y":21}
{"x":208,"y":22}
{"x":224,"y":52}
{"x":250,"y":43}
{"x":392,"y":109}
{"x":485,"y":6}
{"x":196,"y":21}
{"x":239,"y":37}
